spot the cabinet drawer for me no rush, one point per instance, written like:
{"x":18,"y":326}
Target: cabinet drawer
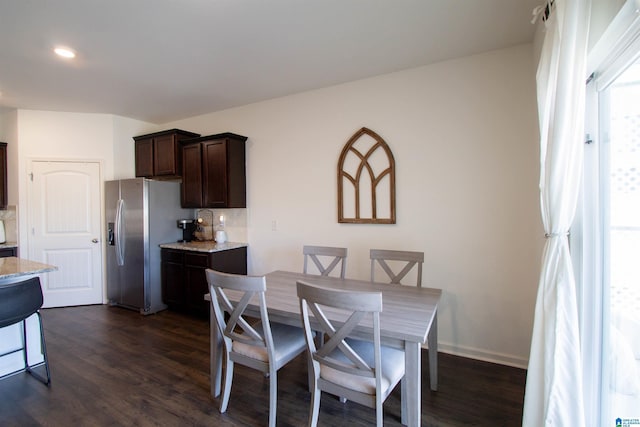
{"x":172,"y":256}
{"x":196,"y":260}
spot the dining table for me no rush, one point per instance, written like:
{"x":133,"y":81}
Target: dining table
{"x":409,"y":319}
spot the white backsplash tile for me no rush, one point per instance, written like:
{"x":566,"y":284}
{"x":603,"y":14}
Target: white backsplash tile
{"x":235,"y":223}
{"x":9,"y":216}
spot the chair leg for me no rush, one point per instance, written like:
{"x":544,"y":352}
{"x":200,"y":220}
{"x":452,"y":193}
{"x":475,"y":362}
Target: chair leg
{"x":46,"y":381}
{"x":25,"y":354}
{"x":43,"y":346}
{"x":273,"y":397}
{"x":226,"y":387}
{"x":315,"y":406}
{"x":403,"y":399}
{"x":379,"y":412}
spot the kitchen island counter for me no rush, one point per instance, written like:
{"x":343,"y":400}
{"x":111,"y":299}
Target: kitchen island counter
{"x":12,"y":268}
{"x":203,"y":246}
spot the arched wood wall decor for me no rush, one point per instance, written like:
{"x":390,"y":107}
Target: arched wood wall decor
{"x":366,"y":152}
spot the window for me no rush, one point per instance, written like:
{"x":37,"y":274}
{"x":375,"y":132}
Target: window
{"x":620,"y":165}
{"x":610,"y":237}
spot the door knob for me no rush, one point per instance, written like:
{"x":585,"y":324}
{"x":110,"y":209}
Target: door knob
{"x":94,"y":240}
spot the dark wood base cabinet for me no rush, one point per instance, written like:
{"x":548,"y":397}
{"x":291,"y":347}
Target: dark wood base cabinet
{"x":7,"y":252}
{"x":184,"y":282}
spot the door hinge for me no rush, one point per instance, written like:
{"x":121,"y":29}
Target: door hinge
{"x":587,"y":139}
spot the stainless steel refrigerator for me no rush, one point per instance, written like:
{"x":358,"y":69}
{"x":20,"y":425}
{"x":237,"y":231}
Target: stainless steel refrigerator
{"x":141,"y":214}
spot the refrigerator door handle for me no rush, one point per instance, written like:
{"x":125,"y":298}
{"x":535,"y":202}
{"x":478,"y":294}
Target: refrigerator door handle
{"x":119,"y":226}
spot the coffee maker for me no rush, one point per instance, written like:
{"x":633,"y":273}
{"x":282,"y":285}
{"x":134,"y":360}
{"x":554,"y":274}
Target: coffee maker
{"x":188,"y":226}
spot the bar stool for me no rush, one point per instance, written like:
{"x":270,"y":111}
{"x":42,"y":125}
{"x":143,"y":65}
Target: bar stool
{"x":18,"y":301}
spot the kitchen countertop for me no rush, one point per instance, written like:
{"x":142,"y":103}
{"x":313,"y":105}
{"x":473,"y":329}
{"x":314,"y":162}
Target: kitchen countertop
{"x":8,"y":245}
{"x":12,"y":267}
{"x":208,"y":246}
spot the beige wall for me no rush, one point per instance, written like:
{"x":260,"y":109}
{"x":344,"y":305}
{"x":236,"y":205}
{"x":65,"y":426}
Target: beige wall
{"x":71,"y":136}
{"x":464,"y":136}
{"x":124,"y":129}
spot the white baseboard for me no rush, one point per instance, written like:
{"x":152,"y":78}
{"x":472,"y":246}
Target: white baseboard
{"x":478,"y":354}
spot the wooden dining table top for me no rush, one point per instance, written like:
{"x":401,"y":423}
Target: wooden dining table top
{"x":407,"y":311}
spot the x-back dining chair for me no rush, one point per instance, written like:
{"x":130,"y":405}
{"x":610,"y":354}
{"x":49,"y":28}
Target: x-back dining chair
{"x":19,"y":301}
{"x":407,"y":259}
{"x":262,"y":346}
{"x":331,"y":256}
{"x":362,"y":371}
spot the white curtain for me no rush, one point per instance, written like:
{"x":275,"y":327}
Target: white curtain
{"x":554,"y":393}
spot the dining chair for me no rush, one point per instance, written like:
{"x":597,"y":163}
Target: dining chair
{"x":398,"y":259}
{"x":19,"y":301}
{"x":361,"y":370}
{"x":262,"y":346}
{"x":331,"y":256}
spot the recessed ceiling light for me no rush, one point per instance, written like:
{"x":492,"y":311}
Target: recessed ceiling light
{"x":65,"y":52}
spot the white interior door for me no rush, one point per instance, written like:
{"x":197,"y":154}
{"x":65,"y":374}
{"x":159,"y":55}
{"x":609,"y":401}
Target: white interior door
{"x":64,"y":230}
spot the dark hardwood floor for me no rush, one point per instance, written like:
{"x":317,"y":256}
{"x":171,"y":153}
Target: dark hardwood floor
{"x":114,"y":367}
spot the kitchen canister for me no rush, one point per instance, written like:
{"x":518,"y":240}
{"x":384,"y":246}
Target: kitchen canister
{"x":221,"y":236}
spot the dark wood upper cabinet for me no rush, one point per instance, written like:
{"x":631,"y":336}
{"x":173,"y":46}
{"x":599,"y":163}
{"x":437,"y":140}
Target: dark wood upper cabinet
{"x":158,"y":155}
{"x":191,"y":192}
{"x":3,"y":175}
{"x":214,"y":172}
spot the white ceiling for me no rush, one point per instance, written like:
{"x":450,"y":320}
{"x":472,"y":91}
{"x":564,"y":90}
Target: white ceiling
{"x":163,"y":60}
